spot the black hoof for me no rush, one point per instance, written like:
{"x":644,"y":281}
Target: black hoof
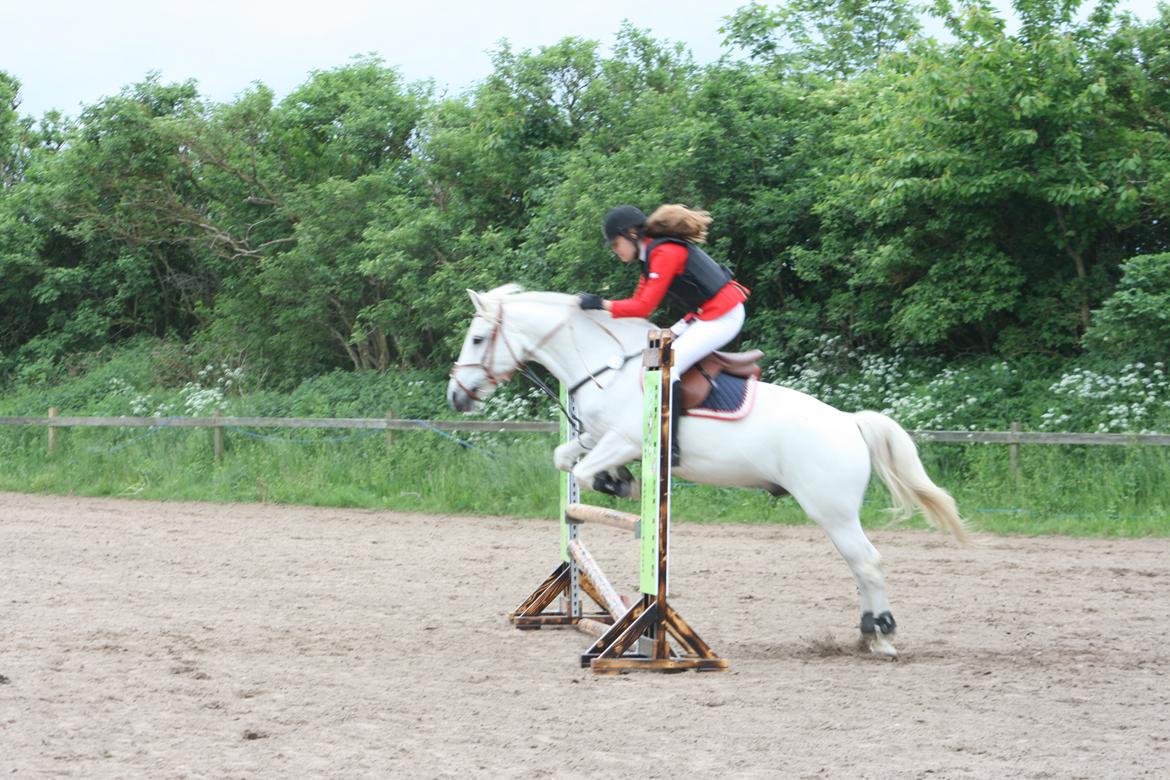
{"x":605,"y":483}
{"x":884,"y":622}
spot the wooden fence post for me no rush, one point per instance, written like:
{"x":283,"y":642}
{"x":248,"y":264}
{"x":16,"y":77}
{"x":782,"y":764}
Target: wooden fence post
{"x":390,"y":431}
{"x":52,"y":430}
{"x":1014,"y":452}
{"x":217,"y":436}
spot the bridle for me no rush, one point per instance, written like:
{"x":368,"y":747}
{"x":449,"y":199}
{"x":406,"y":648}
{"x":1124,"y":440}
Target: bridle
{"x":498,"y":336}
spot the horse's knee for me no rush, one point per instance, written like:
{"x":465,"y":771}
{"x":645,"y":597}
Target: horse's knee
{"x":565,"y":456}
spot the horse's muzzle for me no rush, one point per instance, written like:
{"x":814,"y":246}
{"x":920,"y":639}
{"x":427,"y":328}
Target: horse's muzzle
{"x":460,"y":399}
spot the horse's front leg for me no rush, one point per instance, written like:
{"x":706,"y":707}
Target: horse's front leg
{"x":567,"y":454}
{"x":603,"y":468}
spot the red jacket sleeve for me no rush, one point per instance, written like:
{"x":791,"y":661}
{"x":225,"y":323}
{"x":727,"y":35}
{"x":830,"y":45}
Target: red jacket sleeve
{"x":666,"y":261}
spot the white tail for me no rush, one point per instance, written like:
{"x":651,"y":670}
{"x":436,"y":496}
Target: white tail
{"x":895,"y":458}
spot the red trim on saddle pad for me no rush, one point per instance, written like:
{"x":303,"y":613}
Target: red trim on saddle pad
{"x":749,"y":400}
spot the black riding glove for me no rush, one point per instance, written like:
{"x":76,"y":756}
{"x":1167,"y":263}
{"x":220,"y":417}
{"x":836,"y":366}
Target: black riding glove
{"x":590,"y":301}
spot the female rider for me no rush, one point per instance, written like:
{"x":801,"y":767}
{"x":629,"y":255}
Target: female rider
{"x":672,"y":263}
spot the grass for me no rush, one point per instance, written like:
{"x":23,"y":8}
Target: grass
{"x":1079,"y":491}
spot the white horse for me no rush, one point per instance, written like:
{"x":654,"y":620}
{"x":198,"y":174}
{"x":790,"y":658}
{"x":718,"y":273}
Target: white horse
{"x":789,"y":443}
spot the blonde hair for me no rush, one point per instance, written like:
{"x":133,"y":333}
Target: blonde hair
{"x":677,"y":221}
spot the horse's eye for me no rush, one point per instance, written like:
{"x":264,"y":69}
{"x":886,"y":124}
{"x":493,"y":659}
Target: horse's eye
{"x":477,"y":340}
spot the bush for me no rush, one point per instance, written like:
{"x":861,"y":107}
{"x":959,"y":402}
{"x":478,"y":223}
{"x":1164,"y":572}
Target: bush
{"x":1134,"y":398}
{"x":985,"y":394}
{"x":1134,"y":322}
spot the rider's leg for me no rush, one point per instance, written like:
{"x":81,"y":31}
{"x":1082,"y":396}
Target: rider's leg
{"x":702,"y":337}
{"x":676,"y":404}
{"x":697,"y":340}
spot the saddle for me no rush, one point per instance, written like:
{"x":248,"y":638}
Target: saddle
{"x":698,"y":382}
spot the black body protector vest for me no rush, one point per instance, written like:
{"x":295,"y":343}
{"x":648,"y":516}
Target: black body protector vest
{"x":701,"y":278}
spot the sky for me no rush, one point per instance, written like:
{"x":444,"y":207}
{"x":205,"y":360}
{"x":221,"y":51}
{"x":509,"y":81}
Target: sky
{"x":75,"y":52}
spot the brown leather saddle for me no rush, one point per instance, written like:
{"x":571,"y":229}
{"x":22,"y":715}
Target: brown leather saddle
{"x":697,"y":382}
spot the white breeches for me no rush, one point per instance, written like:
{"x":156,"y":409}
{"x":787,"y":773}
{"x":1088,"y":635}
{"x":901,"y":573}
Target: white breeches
{"x":696,"y":339}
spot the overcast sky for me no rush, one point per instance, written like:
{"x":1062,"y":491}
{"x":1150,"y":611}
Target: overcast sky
{"x":73,"y":52}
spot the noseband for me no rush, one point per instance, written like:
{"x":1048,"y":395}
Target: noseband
{"x":489,"y":353}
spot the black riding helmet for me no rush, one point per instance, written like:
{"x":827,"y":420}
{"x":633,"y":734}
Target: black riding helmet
{"x":620,"y":219}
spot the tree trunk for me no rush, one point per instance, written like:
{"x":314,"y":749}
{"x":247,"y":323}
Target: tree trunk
{"x":1077,"y":254}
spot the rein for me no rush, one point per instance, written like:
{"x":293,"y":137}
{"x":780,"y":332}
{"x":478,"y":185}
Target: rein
{"x":592,"y":377}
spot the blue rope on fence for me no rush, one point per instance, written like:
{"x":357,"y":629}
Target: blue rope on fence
{"x":289,"y":440}
{"x":292,"y":440}
{"x":1065,"y":516}
{"x":460,"y":442}
{"x":363,"y":434}
{"x":123,"y":445}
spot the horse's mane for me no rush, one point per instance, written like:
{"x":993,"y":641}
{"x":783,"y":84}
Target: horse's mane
{"x":516,"y":292}
{"x":513,"y":290}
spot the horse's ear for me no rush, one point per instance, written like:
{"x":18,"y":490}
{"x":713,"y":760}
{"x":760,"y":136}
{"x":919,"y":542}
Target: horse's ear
{"x":477,"y":300}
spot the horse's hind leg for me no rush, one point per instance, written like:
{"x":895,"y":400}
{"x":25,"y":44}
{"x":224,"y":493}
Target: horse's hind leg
{"x":877,"y":622}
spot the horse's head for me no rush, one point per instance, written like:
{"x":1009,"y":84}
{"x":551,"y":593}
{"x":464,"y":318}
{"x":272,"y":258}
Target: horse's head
{"x":488,"y":358}
{"x":512,"y":326}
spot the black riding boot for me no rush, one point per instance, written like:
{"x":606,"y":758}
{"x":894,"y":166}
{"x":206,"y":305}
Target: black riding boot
{"x":676,"y":405}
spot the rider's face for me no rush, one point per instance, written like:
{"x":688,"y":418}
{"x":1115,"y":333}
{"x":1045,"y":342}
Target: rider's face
{"x":625,"y":248}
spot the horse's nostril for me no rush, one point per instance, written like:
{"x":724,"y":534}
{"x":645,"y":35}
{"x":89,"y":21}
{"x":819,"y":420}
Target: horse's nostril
{"x":459,"y":400}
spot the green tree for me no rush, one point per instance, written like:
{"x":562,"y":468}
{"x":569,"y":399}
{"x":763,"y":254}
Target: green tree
{"x":125,"y":263}
{"x":10,"y":131}
{"x":993,"y":188}
{"x":837,"y":38}
{"x":297,"y":184}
